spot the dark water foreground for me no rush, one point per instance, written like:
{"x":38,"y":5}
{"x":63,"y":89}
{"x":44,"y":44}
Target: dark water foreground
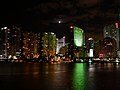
{"x":64,"y":76}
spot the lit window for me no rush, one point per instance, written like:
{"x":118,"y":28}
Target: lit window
{"x":59,"y":21}
{"x":2,"y":28}
{"x":5,"y":28}
{"x":106,"y":32}
{"x":52,"y":33}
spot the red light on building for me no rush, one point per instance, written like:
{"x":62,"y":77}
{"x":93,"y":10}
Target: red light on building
{"x":116,"y":25}
{"x":71,"y":27}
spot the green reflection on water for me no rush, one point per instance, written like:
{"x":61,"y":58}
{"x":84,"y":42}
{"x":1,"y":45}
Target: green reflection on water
{"x":79,"y":77}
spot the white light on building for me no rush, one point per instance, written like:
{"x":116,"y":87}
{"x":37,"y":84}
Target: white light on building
{"x":5,"y":28}
{"x":91,"y":53}
{"x":59,"y":21}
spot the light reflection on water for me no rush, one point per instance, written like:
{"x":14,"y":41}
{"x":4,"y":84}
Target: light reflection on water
{"x":62,"y":76}
{"x":79,"y":77}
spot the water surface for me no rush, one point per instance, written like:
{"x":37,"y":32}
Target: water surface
{"x":62,"y":76}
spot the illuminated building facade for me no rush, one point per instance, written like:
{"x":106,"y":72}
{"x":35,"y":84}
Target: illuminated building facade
{"x":90,"y":47}
{"x":15,"y":42}
{"x":118,"y":35}
{"x":2,"y":43}
{"x":49,"y":44}
{"x":11,"y":42}
{"x":112,"y":31}
{"x":76,"y":43}
{"x":60,"y":44}
{"x":107,"y":48}
{"x":78,"y":37}
{"x":31,"y":45}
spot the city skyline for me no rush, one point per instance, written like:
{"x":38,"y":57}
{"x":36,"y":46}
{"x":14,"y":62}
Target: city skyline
{"x":18,"y":44}
{"x":60,"y":45}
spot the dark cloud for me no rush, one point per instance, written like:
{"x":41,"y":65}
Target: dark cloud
{"x":79,"y":8}
{"x":91,"y":15}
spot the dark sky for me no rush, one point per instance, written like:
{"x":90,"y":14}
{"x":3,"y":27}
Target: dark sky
{"x":43,"y":15}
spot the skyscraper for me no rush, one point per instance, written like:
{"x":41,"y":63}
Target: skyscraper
{"x":49,"y":44}
{"x":90,"y":47}
{"x":112,"y":31}
{"x":2,"y":43}
{"x":10,"y":44}
{"x":60,"y":43}
{"x":118,"y":34}
{"x":76,"y":43}
{"x":31,"y":45}
{"x":107,"y":48}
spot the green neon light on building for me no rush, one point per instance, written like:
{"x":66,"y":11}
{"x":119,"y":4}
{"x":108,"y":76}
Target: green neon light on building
{"x":78,"y":37}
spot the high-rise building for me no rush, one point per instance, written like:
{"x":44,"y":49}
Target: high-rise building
{"x":2,"y":43}
{"x":11,"y":42}
{"x":60,"y":44}
{"x":49,"y":44}
{"x":76,"y":43}
{"x":118,"y":34}
{"x":90,"y":47}
{"x":15,"y":42}
{"x":97,"y":48}
{"x":31,"y":45}
{"x":112,"y":31}
{"x":107,"y":48}
{"x":78,"y":37}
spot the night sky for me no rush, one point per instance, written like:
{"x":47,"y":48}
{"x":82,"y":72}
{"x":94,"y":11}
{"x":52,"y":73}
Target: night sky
{"x":43,"y":15}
